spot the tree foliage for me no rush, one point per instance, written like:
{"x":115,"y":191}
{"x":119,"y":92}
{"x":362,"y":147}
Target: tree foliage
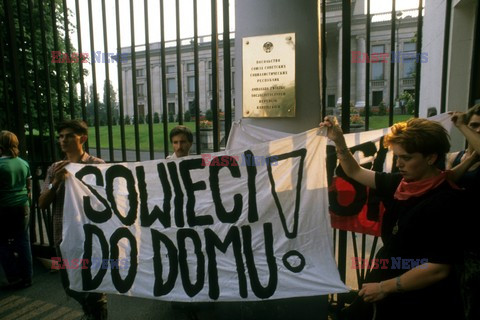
{"x":102,"y":105}
{"x":32,"y":53}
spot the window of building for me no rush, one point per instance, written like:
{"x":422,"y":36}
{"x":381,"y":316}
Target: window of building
{"x":191,"y":84}
{"x":190,"y":66}
{"x":171,"y":68}
{"x":171,"y":85}
{"x":233,"y":62}
{"x":378,"y":67}
{"x":409,"y":46}
{"x":140,"y":72}
{"x":171,"y":108}
{"x":233,"y":80}
{"x":191,"y":107}
{"x":141,"y":111}
{"x":140,"y":89}
{"x":409,"y":67}
{"x":331,"y":101}
{"x":377,"y":71}
{"x":377,"y":97}
{"x":379,"y":48}
{"x":209,"y":64}
{"x":210,"y":83}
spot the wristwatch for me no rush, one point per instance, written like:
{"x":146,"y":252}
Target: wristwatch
{"x":52,"y":187}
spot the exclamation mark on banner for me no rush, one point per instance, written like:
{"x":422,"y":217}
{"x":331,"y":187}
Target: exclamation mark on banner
{"x":289,"y":227}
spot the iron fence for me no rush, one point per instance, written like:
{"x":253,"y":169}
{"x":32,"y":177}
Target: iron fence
{"x":45,"y":80}
{"x":37,"y":94}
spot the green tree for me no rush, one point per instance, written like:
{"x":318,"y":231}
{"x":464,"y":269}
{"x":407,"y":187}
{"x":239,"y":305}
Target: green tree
{"x":29,"y":42}
{"x":90,"y":100}
{"x":113,"y":101}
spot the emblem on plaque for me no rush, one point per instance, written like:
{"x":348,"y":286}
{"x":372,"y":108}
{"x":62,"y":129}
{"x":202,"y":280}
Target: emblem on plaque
{"x":267,"y":47}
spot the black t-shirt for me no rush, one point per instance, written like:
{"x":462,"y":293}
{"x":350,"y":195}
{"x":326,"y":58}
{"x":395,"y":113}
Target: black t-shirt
{"x":415,"y":231}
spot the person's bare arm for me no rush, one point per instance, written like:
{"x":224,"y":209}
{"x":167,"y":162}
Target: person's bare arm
{"x":459,"y":170}
{"x":473,"y":138}
{"x":420,"y":277}
{"x":48,"y":195}
{"x":349,"y":165}
{"x":450,"y":159}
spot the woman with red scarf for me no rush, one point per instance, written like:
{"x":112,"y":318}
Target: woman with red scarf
{"x":419,"y":233}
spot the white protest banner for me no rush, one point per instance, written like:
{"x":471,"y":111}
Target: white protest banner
{"x":244,"y":135}
{"x":353,"y":207}
{"x":246,"y":224}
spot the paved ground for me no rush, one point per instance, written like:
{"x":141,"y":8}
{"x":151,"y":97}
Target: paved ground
{"x":45,"y":299}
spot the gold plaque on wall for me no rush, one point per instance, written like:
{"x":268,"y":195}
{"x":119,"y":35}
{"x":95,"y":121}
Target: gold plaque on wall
{"x":269,"y":76}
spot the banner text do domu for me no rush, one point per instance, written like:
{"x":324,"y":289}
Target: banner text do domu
{"x":176,"y":253}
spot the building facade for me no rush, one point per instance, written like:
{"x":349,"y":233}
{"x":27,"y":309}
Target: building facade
{"x":403,"y":54}
{"x":381,"y":55}
{"x":187,"y":75}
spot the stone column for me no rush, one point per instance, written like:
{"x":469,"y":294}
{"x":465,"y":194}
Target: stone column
{"x":270,"y":17}
{"x":360,"y":69}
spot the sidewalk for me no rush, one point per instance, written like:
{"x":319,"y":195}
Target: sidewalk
{"x":46,"y":299}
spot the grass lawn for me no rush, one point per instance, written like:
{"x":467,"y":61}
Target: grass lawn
{"x":376,"y":122}
{"x":130,"y":136}
{"x":379,"y":122}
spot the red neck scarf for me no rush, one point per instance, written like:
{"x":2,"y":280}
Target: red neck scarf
{"x":407,"y":189}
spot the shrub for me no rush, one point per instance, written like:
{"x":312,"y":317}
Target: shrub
{"x":411,"y":106}
{"x":171,"y":117}
{"x":382,"y":109}
{"x":187,"y":116}
{"x":156,"y":118}
{"x":209,"y":115}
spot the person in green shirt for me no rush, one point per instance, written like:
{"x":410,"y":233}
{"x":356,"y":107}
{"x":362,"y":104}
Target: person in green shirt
{"x":15,"y":186}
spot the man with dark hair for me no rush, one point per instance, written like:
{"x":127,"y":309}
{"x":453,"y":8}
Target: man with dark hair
{"x":72,"y":134}
{"x":77,"y":126}
{"x":181,"y":138}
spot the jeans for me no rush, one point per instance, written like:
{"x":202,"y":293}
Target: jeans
{"x":15,"y":250}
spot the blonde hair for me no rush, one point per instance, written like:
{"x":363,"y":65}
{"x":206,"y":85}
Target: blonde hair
{"x":9,"y":143}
